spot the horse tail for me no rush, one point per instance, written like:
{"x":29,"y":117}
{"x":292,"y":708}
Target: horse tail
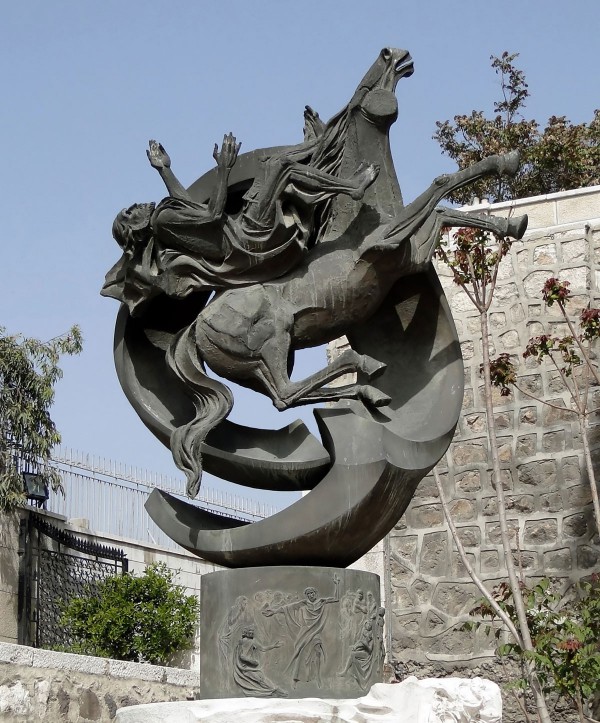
{"x":212,"y":399}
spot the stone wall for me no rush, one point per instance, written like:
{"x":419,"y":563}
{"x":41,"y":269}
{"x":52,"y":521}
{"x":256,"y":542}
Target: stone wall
{"x":43,"y":685}
{"x":548,"y":493}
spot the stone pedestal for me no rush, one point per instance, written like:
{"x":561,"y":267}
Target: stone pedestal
{"x":412,"y":701}
{"x":274,"y":632}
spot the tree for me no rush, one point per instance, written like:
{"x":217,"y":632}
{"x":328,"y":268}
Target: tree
{"x":561,"y":156}
{"x":474,"y":258}
{"x":143,"y":619}
{"x":28,"y":372}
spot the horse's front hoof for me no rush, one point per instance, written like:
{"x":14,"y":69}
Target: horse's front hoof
{"x":509,"y":163}
{"x":374,"y":397}
{"x":517,"y":226}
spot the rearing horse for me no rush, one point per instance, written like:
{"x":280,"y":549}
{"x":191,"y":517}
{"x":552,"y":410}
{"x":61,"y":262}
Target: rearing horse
{"x":249,"y":335}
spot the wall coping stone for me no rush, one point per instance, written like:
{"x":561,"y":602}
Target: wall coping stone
{"x":40,"y":658}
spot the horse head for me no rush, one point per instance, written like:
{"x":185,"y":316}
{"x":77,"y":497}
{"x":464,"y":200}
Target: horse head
{"x":359,"y":133}
{"x":374,"y":95}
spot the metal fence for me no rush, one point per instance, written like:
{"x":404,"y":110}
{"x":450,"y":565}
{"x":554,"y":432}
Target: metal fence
{"x":111,"y":496}
{"x":55,"y":567}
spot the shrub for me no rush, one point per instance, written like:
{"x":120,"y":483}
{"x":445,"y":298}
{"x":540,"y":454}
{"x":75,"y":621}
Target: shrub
{"x":145,"y":619}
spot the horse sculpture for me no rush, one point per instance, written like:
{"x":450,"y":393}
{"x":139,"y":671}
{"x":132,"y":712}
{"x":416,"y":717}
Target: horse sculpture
{"x":367,"y":257}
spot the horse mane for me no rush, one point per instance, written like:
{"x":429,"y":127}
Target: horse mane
{"x":212,"y":401}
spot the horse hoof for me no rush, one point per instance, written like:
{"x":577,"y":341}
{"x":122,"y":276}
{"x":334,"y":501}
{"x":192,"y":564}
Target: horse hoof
{"x":372,"y":368}
{"x":365,"y":175}
{"x":517,"y":226}
{"x":372,"y":396}
{"x":509,"y":163}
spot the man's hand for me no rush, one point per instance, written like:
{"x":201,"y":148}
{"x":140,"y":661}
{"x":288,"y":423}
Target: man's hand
{"x":227,"y":157}
{"x":157,"y":156}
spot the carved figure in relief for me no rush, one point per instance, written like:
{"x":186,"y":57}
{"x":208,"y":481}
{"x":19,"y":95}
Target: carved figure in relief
{"x":247,"y":671}
{"x":305,"y":620}
{"x":361,"y":658}
{"x":237,"y":617}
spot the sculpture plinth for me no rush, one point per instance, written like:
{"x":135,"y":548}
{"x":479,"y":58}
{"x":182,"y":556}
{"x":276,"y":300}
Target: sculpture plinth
{"x":297,"y":632}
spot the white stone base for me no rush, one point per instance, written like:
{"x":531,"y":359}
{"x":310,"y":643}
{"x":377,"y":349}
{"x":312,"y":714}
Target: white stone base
{"x":436,"y":700}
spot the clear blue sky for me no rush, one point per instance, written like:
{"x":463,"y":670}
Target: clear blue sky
{"x":86,"y":84}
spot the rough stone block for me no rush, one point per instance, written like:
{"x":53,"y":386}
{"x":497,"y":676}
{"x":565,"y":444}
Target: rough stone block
{"x":469,"y":536}
{"x":475,"y":423}
{"x":489,"y":506}
{"x":503,"y":420}
{"x":401,"y":597}
{"x":574,"y":251}
{"x":553,"y":441}
{"x":463,"y":510}
{"x":497,"y":320}
{"x":587,"y":557}
{"x":490,"y":561}
{"x":534,"y":283}
{"x":468,"y":481}
{"x":560,"y":560}
{"x":454,"y":599}
{"x":575,"y":525}
{"x":405,"y":549}
{"x":469,"y":452}
{"x":506,"y":294}
{"x":552,"y":502}
{"x":538,"y":474}
{"x":520,"y":503}
{"x":526,"y":560}
{"x":541,"y":532}
{"x":571,"y":471}
{"x":517,"y":313}
{"x":453,"y":642}
{"x":544,"y":255}
{"x":531,"y":384}
{"x":492,"y":531}
{"x":422,"y":591}
{"x":458,"y":569}
{"x":526,"y":446}
{"x":434,"y":554}
{"x":578,"y":496}
{"x":528,"y":415}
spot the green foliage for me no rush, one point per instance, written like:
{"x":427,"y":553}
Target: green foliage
{"x":144,"y":619}
{"x":28,"y":372}
{"x":565,"y":631}
{"x":561,"y":156}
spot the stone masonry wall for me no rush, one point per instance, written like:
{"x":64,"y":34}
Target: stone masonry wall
{"x":44,"y":685}
{"x":548,"y":493}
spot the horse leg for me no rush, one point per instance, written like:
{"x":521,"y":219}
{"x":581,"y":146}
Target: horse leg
{"x":311,"y":184}
{"x":426,"y":238}
{"x":413,"y":216}
{"x":273,"y":377}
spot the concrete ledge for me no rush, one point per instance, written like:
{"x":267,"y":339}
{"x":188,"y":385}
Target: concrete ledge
{"x":16,"y":654}
{"x":39,"y":658}
{"x":141,"y":671}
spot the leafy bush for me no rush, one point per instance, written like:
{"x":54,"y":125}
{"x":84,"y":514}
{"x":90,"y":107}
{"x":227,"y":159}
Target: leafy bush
{"x":566,"y":637}
{"x":144,"y":619}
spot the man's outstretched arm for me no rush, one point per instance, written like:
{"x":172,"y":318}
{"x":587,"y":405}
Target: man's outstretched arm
{"x":160,"y":160}
{"x":225,"y":159}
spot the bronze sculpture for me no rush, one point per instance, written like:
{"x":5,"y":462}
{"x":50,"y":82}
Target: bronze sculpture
{"x":297,"y":245}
